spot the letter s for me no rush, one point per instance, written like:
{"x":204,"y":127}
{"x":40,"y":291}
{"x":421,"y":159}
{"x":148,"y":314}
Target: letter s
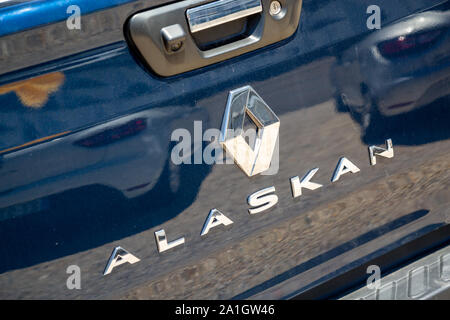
{"x":262,"y":200}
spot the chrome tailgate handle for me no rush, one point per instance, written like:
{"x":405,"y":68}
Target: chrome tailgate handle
{"x":191,"y":34}
{"x":219,"y":12}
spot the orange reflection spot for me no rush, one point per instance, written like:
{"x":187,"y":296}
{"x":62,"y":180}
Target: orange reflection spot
{"x":34,"y":92}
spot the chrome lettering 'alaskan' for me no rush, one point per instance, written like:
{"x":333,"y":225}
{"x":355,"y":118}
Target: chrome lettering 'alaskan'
{"x":259,"y":201}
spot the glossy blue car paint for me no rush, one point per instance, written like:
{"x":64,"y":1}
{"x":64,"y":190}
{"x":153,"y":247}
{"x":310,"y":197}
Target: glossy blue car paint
{"x":33,"y":14}
{"x":90,"y":169}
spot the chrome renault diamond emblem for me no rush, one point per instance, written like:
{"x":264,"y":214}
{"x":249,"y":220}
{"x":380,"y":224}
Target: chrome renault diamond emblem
{"x":245,"y":102}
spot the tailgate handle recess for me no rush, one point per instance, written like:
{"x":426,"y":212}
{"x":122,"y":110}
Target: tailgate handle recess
{"x":191,"y":34}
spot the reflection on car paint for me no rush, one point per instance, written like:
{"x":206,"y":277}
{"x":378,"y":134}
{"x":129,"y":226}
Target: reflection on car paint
{"x":396,"y":70}
{"x":34,"y":92}
{"x":66,"y":203}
